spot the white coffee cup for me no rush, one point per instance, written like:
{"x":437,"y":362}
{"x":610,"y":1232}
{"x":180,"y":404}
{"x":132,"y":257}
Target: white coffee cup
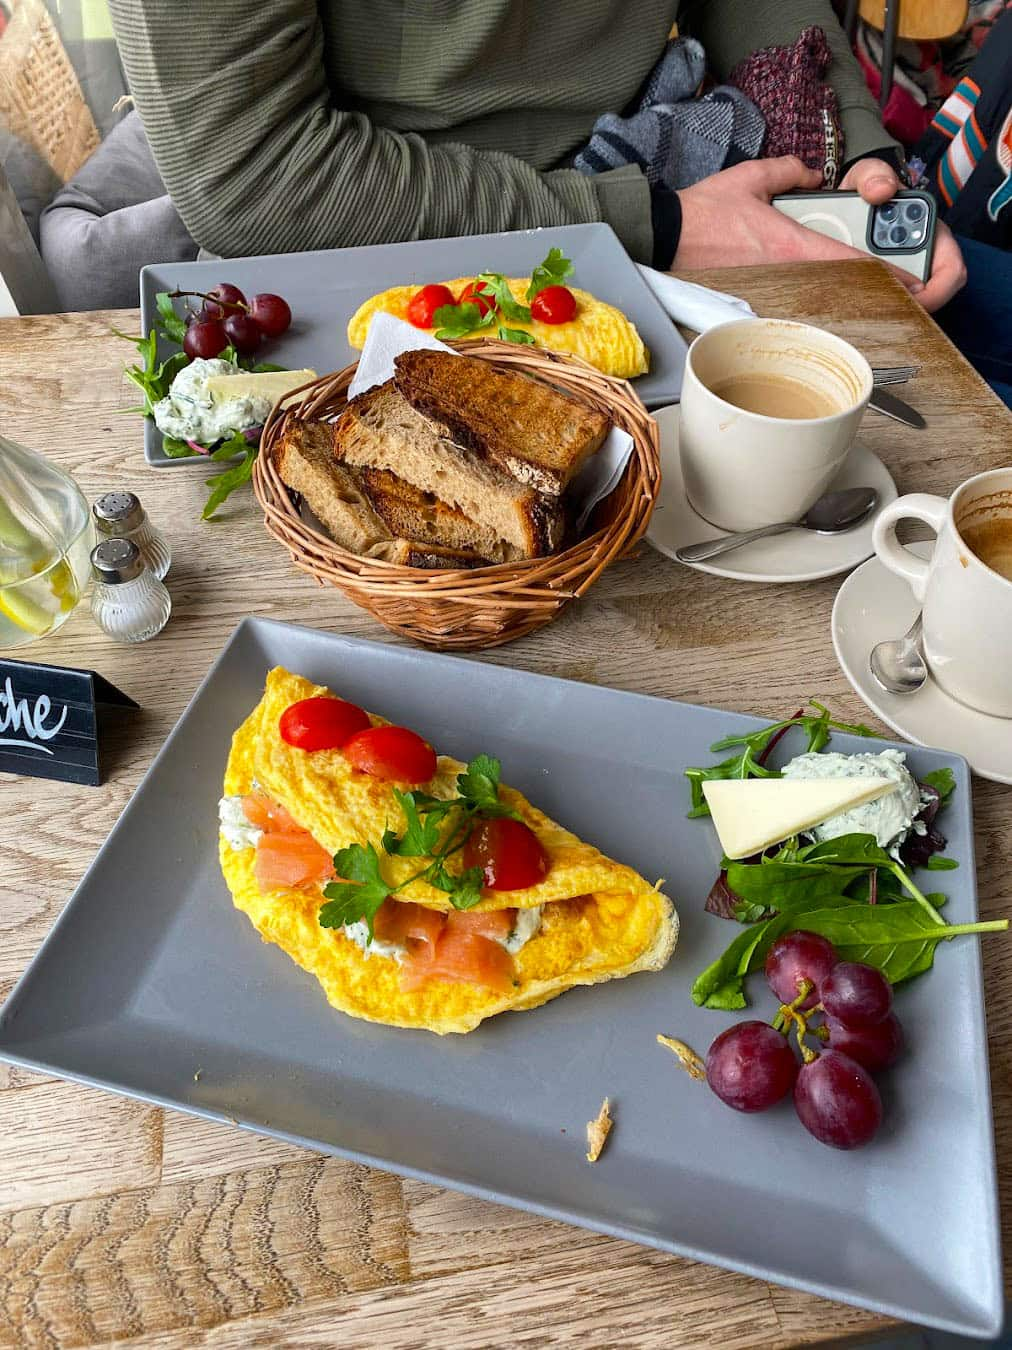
{"x":744,"y":469}
{"x":967,"y":605}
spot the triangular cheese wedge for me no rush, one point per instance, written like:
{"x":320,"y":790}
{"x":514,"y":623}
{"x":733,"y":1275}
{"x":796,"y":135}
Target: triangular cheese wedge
{"x":272,"y":384}
{"x":751,"y":814}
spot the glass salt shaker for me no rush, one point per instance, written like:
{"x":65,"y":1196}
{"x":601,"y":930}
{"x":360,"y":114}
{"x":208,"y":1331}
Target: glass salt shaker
{"x":128,"y":602}
{"x":119,"y":515}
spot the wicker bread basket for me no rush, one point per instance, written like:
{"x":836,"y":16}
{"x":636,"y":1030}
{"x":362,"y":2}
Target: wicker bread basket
{"x":487,"y":606}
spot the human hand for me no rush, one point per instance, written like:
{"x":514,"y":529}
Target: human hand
{"x":727,"y":221}
{"x":877,"y":182}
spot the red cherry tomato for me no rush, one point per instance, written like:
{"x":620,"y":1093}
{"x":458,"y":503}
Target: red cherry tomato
{"x":508,"y":852}
{"x":555,"y":304}
{"x":321,"y":723}
{"x":474,"y":292}
{"x":393,"y":753}
{"x":424,"y":303}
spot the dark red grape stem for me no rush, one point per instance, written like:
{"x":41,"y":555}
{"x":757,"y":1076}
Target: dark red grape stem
{"x":201,"y":295}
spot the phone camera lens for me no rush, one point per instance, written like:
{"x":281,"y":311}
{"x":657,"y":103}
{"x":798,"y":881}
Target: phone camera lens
{"x":898,"y":234}
{"x":887,"y":212}
{"x":915,"y":211}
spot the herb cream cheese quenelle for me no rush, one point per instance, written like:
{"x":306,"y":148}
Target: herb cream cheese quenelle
{"x":890,"y":818}
{"x":210,"y":400}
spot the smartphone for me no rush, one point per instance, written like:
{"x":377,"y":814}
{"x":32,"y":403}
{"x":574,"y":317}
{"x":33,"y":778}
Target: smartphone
{"x":900,"y":231}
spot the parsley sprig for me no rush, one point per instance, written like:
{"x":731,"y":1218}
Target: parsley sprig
{"x":435,"y":829}
{"x":552,"y":272}
{"x":748,"y":762}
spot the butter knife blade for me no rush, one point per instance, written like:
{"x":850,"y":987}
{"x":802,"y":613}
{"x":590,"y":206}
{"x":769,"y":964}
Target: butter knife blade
{"x":884,"y":402}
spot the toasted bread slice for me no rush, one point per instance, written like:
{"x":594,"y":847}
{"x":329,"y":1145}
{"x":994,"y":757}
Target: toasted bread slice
{"x":381,"y":430}
{"x":305,"y":460}
{"x":539,"y":435}
{"x":409,"y":512}
{"x":304,"y":457}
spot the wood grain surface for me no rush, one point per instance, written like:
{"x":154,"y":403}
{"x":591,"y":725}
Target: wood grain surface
{"x":121,"y":1222}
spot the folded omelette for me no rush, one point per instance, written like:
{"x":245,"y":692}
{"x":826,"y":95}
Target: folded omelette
{"x":588,"y":919}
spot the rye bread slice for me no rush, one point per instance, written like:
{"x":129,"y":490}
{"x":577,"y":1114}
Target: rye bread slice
{"x":537,"y":434}
{"x":410,"y":513}
{"x":381,"y":430}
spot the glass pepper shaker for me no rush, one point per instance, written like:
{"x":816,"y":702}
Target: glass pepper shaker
{"x":128,"y":602}
{"x":119,"y":515}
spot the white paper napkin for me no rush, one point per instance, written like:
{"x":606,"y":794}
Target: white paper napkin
{"x":389,"y":336}
{"x":695,"y":306}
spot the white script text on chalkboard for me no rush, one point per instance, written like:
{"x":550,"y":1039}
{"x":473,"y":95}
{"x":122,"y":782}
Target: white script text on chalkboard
{"x":16,"y":715}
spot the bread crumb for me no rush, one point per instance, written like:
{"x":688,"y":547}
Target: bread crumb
{"x":687,"y":1057}
{"x":598,"y":1131}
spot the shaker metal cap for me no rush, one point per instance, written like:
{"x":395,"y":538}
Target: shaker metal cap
{"x":116,"y":560}
{"x":117,"y":513}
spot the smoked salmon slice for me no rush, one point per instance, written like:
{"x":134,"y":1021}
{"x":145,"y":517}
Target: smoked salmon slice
{"x":293,"y":859}
{"x":409,"y":925}
{"x":493,"y":923}
{"x":267,"y":815}
{"x":461,"y":956}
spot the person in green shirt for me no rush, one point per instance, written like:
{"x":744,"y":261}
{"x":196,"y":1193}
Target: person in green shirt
{"x":304,"y":124}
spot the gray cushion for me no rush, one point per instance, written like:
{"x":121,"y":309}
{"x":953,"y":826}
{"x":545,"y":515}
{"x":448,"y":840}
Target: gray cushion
{"x":112,"y":218}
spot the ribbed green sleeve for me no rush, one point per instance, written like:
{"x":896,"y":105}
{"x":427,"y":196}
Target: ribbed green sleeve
{"x":732,"y":29}
{"x":260,"y":156}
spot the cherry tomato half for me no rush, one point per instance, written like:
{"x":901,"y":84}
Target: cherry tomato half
{"x":424,"y":303}
{"x":321,"y":723}
{"x":555,"y":304}
{"x":393,"y":753}
{"x":475,"y":292}
{"x":508,"y":852}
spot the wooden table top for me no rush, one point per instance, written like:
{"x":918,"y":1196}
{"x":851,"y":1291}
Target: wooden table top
{"x":124,"y":1222}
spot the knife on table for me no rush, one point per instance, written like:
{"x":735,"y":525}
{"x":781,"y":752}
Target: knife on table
{"x":884,"y":402}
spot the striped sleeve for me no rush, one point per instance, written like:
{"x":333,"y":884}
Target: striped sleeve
{"x":258,"y":159}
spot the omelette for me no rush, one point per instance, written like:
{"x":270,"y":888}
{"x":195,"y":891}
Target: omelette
{"x":287,"y":811}
{"x":599,"y":333}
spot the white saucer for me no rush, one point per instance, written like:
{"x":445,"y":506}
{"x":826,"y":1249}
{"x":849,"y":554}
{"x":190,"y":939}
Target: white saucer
{"x":798,"y":555}
{"x":874,"y":603}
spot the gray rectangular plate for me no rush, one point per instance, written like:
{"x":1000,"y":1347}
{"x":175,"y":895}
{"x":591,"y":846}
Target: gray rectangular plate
{"x":151,"y":974}
{"x":325,"y":289}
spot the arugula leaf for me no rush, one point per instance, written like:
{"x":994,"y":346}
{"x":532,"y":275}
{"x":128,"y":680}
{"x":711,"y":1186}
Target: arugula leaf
{"x":456,"y":321}
{"x":939,"y":863}
{"x":518,"y":335}
{"x":173,"y":326}
{"x":943,"y":781}
{"x":552,"y":272}
{"x":509,"y":308}
{"x":177,"y":449}
{"x":226,"y":483}
{"x":421,"y":837}
{"x":361,"y":891}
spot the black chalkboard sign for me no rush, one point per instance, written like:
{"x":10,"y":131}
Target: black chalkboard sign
{"x":49,"y":720}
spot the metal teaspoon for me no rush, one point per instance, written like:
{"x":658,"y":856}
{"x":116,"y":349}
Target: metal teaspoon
{"x":897,"y":663}
{"x":831,"y":514}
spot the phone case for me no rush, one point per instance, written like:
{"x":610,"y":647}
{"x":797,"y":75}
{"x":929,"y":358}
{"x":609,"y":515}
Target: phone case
{"x":875,"y":230}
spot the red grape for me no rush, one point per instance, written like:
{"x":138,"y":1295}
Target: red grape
{"x":837,"y":1101}
{"x":750,"y":1066}
{"x":876,"y":1046}
{"x":271,"y":313}
{"x":204,"y":338}
{"x":222,"y":300}
{"x":244,"y":333}
{"x":856,"y":994}
{"x":796,"y":957}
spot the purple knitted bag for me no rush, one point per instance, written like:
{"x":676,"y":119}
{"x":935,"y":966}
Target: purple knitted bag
{"x":787,"y":85}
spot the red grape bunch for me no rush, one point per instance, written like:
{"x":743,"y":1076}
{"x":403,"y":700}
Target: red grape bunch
{"x":752,"y":1066}
{"x":227,"y":317}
